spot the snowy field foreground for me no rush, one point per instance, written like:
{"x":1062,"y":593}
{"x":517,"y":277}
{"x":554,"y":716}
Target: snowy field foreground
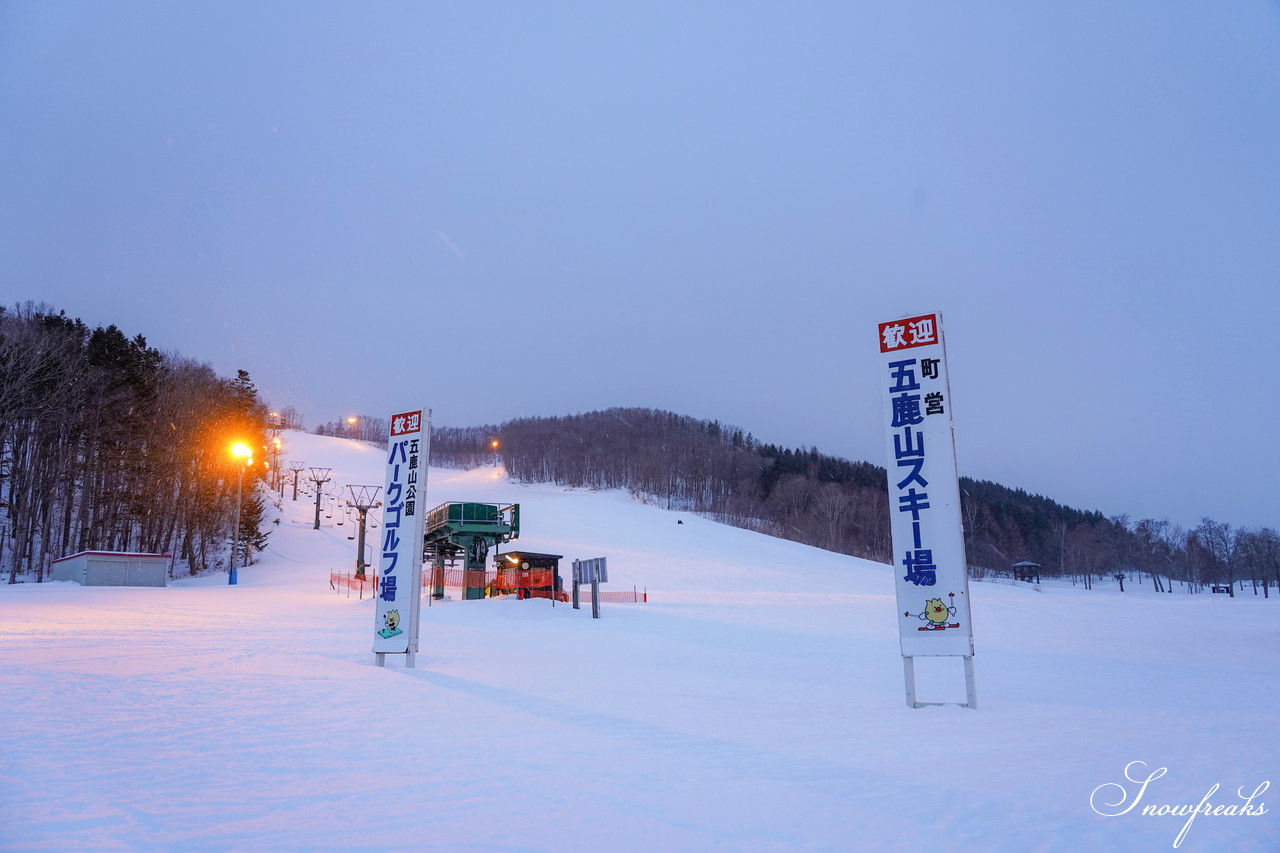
{"x":755,"y":703}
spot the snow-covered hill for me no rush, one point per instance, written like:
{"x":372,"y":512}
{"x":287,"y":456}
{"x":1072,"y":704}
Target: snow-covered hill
{"x":754,"y":703}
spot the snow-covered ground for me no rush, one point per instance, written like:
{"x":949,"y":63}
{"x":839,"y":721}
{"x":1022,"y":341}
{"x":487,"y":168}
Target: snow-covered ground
{"x":755,"y":703}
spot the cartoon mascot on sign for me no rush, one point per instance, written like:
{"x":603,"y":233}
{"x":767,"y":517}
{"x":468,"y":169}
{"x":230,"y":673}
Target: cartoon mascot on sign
{"x":936,"y":614}
{"x":392,"y":621}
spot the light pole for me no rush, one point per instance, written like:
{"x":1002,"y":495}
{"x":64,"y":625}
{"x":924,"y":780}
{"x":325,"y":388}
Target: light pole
{"x":275,"y":465}
{"x":319,"y":476}
{"x":239,"y":451}
{"x":351,"y":428}
{"x":363,"y":499}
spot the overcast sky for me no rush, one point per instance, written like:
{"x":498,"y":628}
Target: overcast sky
{"x":543,"y":208}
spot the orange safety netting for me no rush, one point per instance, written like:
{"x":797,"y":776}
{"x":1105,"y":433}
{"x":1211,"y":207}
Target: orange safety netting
{"x":515,"y":580}
{"x":526,"y":583}
{"x":501,"y":582}
{"x":350,"y":581}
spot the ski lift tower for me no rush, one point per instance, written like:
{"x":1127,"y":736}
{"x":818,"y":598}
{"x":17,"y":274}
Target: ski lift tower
{"x":297,"y":468}
{"x":319,"y":476}
{"x":363,"y":498}
{"x":467,"y":531}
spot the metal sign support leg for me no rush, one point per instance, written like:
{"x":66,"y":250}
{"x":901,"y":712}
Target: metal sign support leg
{"x":909,"y":676}
{"x":415,"y":614}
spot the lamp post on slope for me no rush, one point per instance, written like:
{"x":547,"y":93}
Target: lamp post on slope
{"x":239,"y":450}
{"x":275,"y":465}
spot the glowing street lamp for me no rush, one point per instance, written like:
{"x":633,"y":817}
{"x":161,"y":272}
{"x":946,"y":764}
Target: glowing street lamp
{"x":279,"y":475}
{"x":239,"y":451}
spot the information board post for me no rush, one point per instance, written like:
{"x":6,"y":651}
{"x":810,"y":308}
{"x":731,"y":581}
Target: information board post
{"x":399,"y":601}
{"x":595,"y":572}
{"x":930,"y":567}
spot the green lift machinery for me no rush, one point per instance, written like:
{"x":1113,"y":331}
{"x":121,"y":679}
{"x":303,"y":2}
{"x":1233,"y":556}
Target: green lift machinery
{"x":465,"y":532}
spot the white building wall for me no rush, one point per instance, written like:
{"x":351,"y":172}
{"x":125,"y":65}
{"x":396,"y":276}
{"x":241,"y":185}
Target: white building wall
{"x":104,"y":569}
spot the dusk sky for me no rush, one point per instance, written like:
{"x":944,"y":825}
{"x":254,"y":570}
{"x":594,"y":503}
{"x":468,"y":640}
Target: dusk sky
{"x":541,"y":208}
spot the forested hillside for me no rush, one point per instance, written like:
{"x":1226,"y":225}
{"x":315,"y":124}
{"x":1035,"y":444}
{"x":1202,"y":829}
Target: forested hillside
{"x":801,"y":494}
{"x":108,"y":444}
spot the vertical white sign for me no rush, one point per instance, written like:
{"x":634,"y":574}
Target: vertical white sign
{"x":395,"y":629}
{"x":931,"y":571}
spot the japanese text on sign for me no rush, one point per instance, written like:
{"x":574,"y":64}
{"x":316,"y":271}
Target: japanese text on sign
{"x":408,"y":422}
{"x":401,"y":542}
{"x":930,"y":568}
{"x":904,"y":334}
{"x":911,"y":495}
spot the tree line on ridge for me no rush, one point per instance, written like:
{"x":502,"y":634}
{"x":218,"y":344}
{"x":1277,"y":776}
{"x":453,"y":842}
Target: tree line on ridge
{"x":723,"y":472}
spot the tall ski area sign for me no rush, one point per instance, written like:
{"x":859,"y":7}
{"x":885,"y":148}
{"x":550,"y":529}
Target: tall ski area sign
{"x":931,"y":572}
{"x":395,"y":629}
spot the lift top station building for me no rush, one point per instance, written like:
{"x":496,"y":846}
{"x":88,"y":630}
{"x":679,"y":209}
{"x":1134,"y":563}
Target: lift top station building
{"x":466,"y":532}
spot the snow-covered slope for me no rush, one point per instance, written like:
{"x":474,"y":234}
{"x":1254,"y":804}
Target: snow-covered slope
{"x":755,"y":703}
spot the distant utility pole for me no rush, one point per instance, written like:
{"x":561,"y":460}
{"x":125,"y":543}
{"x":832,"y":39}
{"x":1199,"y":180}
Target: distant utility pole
{"x":319,"y":476}
{"x":276,"y":470}
{"x":296,"y":468}
{"x":363,"y":498}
